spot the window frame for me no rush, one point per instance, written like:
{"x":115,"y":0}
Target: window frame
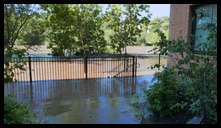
{"x":193,"y":26}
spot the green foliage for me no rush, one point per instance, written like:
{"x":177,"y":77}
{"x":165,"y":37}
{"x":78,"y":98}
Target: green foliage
{"x":16,"y":113}
{"x":126,"y":23}
{"x":190,"y":86}
{"x":84,"y":29}
{"x":10,"y":67}
{"x":139,"y":108}
{"x":79,"y":29}
{"x":75,"y":29}
{"x":149,"y":34}
{"x":16,"y":17}
{"x":34,"y":32}
{"x":169,"y":95}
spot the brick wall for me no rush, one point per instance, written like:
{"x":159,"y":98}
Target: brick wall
{"x":180,"y":25}
{"x":179,"y":21}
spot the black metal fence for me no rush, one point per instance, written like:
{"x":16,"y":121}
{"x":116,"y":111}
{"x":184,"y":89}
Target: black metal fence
{"x":62,"y":68}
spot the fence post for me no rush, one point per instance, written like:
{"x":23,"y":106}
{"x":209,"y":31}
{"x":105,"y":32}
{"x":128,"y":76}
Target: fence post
{"x":124,"y":63}
{"x":85,"y":66}
{"x":133,"y":66}
{"x":159,"y":62}
{"x":29,"y":65}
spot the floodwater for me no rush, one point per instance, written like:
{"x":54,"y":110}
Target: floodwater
{"x":92,"y":101}
{"x":74,"y":68}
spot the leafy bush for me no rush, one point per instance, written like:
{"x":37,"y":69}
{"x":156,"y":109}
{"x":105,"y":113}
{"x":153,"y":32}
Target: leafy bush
{"x":169,"y":95}
{"x":190,"y":85}
{"x":192,"y":90}
{"x":9,"y":67}
{"x":139,"y":107}
{"x":16,"y":113}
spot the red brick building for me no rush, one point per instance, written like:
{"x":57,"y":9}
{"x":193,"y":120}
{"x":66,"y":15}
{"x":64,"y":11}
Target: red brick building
{"x":185,"y":20}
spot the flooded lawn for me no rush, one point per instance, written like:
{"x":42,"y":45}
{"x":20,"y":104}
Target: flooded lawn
{"x":103,"y":100}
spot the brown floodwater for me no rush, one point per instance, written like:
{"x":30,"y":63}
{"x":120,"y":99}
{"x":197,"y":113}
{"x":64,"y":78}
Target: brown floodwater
{"x":58,"y":69}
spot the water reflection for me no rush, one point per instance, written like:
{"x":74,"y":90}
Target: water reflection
{"x":101,"y":100}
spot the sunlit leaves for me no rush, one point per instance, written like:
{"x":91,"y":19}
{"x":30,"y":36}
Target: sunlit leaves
{"x":75,"y":29}
{"x":126,"y":24}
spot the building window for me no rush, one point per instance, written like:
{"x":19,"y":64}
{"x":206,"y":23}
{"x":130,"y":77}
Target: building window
{"x":203,"y":15}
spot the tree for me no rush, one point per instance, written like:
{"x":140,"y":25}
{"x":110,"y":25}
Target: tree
{"x":75,"y":29}
{"x":149,"y":34}
{"x":107,"y":36}
{"x":34,"y":32}
{"x":161,"y":24}
{"x":16,"y":17}
{"x":127,"y":24}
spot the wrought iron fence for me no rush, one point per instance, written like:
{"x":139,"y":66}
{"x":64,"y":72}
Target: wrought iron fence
{"x":63,"y":68}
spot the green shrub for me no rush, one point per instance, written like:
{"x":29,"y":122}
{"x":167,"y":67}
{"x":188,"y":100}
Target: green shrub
{"x":9,"y":67}
{"x":168,"y":95}
{"x":16,"y":113}
{"x":191,"y":91}
{"x":190,"y":86}
{"x":139,"y":107}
